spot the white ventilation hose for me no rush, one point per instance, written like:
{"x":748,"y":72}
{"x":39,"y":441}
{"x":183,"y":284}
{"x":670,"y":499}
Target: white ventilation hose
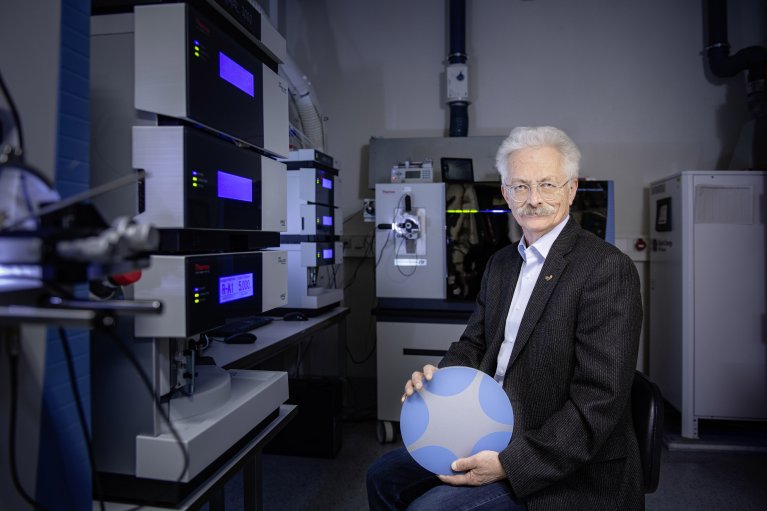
{"x":311,"y":121}
{"x":308,"y":109}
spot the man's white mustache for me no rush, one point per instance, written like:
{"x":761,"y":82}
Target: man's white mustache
{"x":542,"y":210}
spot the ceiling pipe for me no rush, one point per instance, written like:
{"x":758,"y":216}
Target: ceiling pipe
{"x":457,"y":71}
{"x":752,"y":59}
{"x":750,"y":150}
{"x":457,"y":32}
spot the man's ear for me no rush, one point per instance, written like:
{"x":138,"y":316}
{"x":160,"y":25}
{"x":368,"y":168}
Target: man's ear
{"x":573,"y":188}
{"x":512,"y":204}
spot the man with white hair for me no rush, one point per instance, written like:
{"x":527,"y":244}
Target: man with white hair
{"x":556,"y":323}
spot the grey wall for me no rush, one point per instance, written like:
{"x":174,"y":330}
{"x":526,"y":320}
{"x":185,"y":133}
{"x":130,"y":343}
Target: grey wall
{"x":626,"y":79}
{"x":29,"y":62}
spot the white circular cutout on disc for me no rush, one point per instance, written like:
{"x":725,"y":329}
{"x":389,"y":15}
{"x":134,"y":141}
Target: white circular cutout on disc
{"x":459,"y":412}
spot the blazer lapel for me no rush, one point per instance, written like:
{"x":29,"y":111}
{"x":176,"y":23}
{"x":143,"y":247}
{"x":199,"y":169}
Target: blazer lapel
{"x":509,"y":275}
{"x":552,"y":270}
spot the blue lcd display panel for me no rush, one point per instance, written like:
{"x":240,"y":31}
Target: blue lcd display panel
{"x":327,"y":183}
{"x":327,"y":253}
{"x":235,"y":287}
{"x":235,"y":74}
{"x":327,"y":220}
{"x":234,"y":187}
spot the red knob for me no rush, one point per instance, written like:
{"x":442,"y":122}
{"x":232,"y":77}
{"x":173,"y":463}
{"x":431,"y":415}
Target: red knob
{"x":125,"y":279}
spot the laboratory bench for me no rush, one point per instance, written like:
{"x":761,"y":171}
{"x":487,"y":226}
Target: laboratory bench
{"x":272,"y":339}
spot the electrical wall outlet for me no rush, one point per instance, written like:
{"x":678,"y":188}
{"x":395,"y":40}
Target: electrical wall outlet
{"x":369,"y":210}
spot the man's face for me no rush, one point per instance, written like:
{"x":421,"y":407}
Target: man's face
{"x":534,"y":214}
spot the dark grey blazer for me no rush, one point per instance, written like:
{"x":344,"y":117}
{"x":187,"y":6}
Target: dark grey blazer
{"x":570,"y":373}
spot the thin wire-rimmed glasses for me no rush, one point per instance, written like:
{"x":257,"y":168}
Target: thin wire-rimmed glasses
{"x":547,"y":190}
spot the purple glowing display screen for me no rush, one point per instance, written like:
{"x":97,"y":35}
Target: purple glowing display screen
{"x":327,"y":220}
{"x":235,"y":74}
{"x":234,"y":187}
{"x":327,"y":183}
{"x":327,"y":253}
{"x":235,"y":287}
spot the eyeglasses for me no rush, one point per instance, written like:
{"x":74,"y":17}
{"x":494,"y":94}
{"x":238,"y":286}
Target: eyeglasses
{"x":546,"y":190}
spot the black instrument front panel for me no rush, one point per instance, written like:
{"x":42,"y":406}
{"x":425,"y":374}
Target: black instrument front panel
{"x":225,"y":81}
{"x":222,"y":183}
{"x":222,"y":286}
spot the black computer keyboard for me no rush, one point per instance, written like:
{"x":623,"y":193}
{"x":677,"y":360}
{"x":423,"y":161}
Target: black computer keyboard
{"x":240,"y":325}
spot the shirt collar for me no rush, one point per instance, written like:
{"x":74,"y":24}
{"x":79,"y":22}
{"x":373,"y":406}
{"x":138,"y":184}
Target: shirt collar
{"x":544,"y":243}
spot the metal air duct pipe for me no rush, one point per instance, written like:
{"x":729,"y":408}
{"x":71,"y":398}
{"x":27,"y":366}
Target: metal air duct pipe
{"x":457,"y":71}
{"x":751,"y":150}
{"x":752,"y":59}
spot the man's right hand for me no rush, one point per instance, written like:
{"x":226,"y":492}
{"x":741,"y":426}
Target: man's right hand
{"x":415,"y":383}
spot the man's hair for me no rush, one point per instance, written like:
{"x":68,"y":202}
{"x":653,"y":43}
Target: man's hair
{"x":539,"y":136}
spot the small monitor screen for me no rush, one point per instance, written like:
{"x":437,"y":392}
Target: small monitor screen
{"x":327,"y":183}
{"x":234,"y":187}
{"x":457,"y":170}
{"x":235,"y":287}
{"x":412,"y":174}
{"x":327,"y":220}
{"x":663,"y":215}
{"x":327,"y":253}
{"x":235,"y":74}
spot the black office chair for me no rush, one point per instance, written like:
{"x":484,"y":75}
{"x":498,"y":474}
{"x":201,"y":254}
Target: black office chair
{"x":647,"y":408}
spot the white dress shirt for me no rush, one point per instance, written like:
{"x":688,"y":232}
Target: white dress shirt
{"x":533,"y":258}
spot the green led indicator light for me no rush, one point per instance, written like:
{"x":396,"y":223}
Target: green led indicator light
{"x":197,"y":301}
{"x":194,"y":185}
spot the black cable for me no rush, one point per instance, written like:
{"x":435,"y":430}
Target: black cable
{"x":25,"y":194}
{"x":388,"y":236}
{"x":206,"y":340}
{"x":348,"y":218}
{"x":14,"y":113}
{"x":396,"y":252}
{"x":13,"y":362}
{"x":372,"y":349}
{"x":81,"y":415}
{"x":369,"y":245}
{"x":18,"y":164}
{"x":17,"y":160}
{"x":148,"y":385}
{"x":380,"y":254}
{"x":333,"y":269}
{"x":301,"y":356}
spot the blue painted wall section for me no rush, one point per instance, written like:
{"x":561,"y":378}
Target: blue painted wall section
{"x":64,"y":474}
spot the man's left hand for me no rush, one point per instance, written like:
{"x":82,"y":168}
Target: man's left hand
{"x":482,"y":468}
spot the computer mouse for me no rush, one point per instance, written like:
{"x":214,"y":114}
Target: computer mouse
{"x":243,"y":338}
{"x":295,"y":316}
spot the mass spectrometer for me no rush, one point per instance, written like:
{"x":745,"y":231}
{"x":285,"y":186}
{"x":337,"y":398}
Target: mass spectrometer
{"x":410,"y":280}
{"x":410,"y":241}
